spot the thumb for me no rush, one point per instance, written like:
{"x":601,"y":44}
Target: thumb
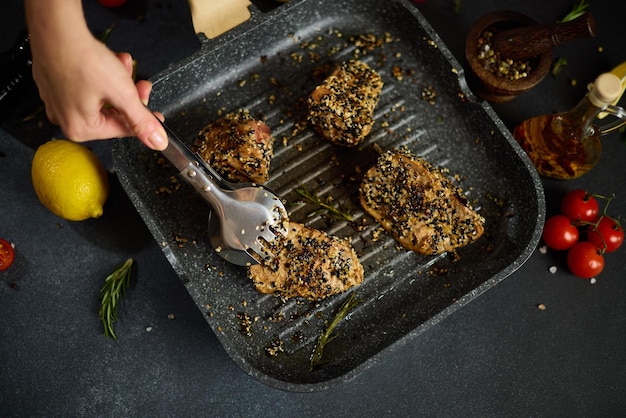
{"x":146,"y":127}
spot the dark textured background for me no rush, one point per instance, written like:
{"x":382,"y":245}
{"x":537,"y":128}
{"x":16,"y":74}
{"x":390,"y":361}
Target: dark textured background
{"x":499,"y":355}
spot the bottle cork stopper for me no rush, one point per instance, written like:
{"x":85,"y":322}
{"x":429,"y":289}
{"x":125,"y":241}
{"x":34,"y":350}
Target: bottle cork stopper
{"x":606,"y":89}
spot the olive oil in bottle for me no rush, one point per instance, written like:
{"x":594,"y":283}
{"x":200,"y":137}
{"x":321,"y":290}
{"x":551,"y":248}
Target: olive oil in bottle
{"x":567,"y":145}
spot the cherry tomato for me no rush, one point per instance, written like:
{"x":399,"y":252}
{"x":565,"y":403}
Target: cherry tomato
{"x":559,"y":233}
{"x":609,"y":229}
{"x":578,"y":204}
{"x":584,"y":260}
{"x":7,"y":254}
{"x":112,"y":3}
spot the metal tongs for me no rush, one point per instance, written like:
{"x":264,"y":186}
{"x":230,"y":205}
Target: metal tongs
{"x":245,"y":217}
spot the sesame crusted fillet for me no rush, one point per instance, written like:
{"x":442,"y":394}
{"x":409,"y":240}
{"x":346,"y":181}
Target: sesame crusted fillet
{"x":341,"y":109}
{"x":308,"y":263}
{"x":238,"y":146}
{"x":414,"y":201}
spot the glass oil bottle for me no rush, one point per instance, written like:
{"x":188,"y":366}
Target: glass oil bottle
{"x":567,"y":145}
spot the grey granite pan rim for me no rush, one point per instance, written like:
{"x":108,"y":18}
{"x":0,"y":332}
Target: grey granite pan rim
{"x":523,"y":256}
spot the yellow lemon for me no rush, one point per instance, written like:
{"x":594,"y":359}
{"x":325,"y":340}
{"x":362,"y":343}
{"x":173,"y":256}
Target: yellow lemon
{"x":69,"y":180}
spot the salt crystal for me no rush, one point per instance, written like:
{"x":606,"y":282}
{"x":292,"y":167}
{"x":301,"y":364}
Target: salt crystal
{"x":543,"y":249}
{"x":552,"y":269}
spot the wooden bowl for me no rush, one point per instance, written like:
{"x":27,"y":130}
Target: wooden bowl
{"x":483,"y":81}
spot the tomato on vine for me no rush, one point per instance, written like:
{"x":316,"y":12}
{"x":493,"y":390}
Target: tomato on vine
{"x":585,"y":260}
{"x":608,"y":236}
{"x":580,"y":205}
{"x":580,"y":213}
{"x":559,"y":233}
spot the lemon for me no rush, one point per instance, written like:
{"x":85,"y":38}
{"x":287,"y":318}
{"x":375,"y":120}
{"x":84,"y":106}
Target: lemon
{"x":69,"y":180}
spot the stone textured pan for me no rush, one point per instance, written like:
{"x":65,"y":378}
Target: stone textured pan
{"x":269,"y":65}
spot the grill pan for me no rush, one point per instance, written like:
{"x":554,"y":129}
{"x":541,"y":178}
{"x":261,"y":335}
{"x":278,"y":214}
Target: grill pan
{"x":268,"y":65}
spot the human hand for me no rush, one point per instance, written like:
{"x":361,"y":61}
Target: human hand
{"x":87,"y":89}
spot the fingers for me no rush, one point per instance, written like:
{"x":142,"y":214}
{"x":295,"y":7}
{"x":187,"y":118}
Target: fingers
{"x":146,"y":126}
{"x":127,"y":60}
{"x":108,"y":104}
{"x":141,"y":121}
{"x":144,"y":88}
{"x":160,"y":116}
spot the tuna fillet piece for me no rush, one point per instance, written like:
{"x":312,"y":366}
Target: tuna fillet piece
{"x":341,"y":109}
{"x":415,"y":202}
{"x":308,"y":263}
{"x":238,"y":146}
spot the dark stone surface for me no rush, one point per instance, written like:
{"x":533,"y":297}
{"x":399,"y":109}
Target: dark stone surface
{"x":499,"y":355}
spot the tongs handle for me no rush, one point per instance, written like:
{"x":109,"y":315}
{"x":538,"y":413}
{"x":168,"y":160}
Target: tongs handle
{"x":202,"y":177}
{"x":180,"y":156}
{"x":177,"y":152}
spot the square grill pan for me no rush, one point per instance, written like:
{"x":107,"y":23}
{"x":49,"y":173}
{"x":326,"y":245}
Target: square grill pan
{"x":269,"y":65}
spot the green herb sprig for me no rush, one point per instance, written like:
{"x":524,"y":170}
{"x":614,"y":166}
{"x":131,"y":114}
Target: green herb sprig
{"x":316,"y":358}
{"x":104,"y":36}
{"x":578,"y":10}
{"x":557,"y":66}
{"x":114,"y":288}
{"x":456,"y":7}
{"x":333,"y":212}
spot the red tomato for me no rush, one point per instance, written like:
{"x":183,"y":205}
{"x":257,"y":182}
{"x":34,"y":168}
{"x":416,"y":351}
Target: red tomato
{"x":584,"y":260}
{"x":578,"y":204}
{"x":7,"y":254}
{"x":559,"y":233}
{"x":112,"y":3}
{"x":609,"y":236}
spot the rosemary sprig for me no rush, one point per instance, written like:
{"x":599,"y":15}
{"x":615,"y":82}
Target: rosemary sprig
{"x":104,"y":36}
{"x":578,"y":10}
{"x":114,"y":288}
{"x":349,"y":304}
{"x":557,"y":66}
{"x":332,"y":211}
{"x":456,"y":6}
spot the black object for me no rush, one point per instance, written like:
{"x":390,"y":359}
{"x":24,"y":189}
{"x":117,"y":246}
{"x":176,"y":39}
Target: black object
{"x":268,"y":65}
{"x":15,"y":73}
